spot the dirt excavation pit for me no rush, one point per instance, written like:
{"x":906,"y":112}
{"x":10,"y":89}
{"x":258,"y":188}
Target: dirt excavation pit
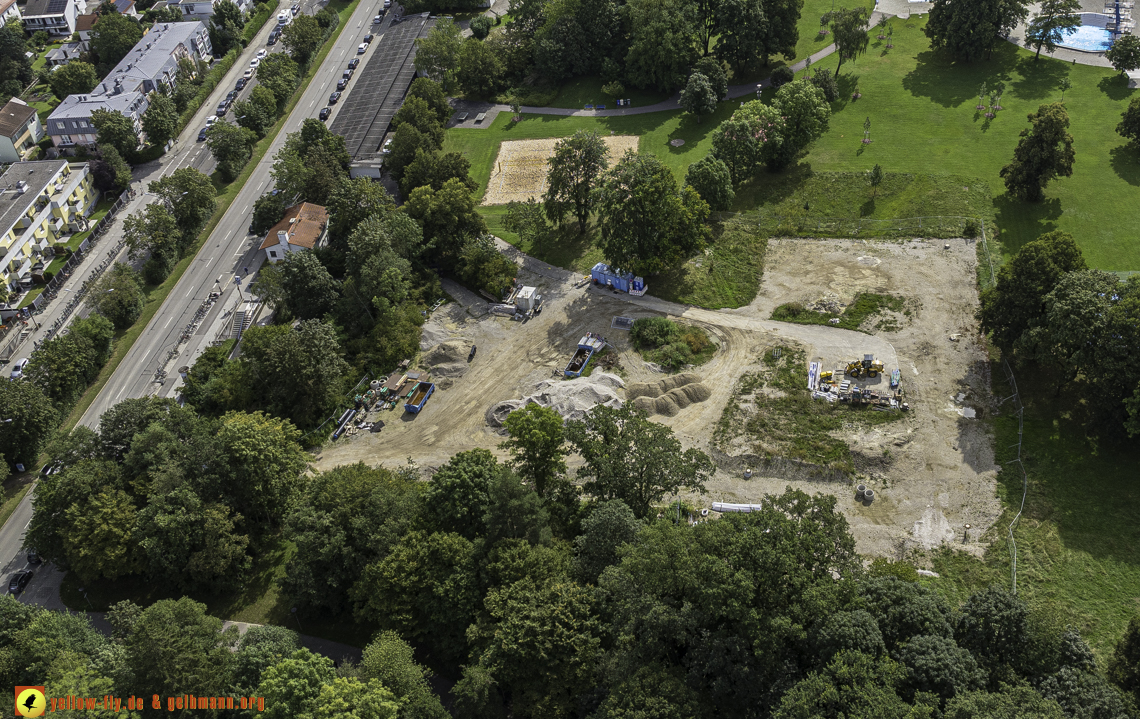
{"x":519,"y":171}
{"x":932,"y":471}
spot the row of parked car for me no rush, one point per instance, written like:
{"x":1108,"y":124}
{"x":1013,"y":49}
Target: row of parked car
{"x":341,"y":84}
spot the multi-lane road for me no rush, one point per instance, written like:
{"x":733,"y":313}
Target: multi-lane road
{"x":226,"y":253}
{"x":230,"y":249}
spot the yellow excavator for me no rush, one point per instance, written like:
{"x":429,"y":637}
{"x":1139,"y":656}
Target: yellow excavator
{"x":869,"y":367}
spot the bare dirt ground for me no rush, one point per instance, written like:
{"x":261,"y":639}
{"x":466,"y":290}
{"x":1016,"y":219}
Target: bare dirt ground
{"x":520,"y":168}
{"x":940,"y":472}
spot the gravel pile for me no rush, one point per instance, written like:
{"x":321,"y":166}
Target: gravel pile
{"x":661,"y":386}
{"x":570,"y":398}
{"x":670,"y":395}
{"x":448,"y":359}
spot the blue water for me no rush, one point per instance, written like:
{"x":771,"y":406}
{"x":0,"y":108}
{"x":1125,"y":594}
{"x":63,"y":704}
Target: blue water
{"x":1088,"y":38}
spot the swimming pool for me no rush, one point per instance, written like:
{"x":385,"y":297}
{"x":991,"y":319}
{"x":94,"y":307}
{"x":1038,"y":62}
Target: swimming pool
{"x":1091,"y":35}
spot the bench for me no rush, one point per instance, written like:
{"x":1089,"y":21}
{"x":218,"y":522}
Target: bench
{"x":461,"y":117}
{"x":599,"y":107}
{"x":480,"y":117}
{"x":589,"y":107}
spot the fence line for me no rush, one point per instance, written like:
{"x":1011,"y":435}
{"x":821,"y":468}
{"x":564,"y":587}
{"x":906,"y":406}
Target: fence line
{"x":929,"y":226}
{"x":1019,"y":410}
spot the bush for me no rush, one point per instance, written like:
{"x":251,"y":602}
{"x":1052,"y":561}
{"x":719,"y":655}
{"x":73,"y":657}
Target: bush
{"x":674,"y":356}
{"x":782,"y":76}
{"x":824,"y":80}
{"x":653,"y":332}
{"x":696,"y":340}
{"x":262,"y":12}
{"x":970,"y":230}
{"x":157,"y":269}
{"x":481,"y":26}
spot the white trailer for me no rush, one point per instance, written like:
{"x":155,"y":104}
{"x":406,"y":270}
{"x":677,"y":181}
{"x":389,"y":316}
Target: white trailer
{"x":526,"y":298}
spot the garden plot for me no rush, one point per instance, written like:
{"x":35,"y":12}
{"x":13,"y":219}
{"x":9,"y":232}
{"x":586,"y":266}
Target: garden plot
{"x":519,"y":171}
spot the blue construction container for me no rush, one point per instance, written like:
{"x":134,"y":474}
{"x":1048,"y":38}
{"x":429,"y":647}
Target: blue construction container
{"x":419,"y":397}
{"x":605,"y":275}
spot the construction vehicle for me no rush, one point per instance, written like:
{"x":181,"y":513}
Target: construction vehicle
{"x":868,"y":367}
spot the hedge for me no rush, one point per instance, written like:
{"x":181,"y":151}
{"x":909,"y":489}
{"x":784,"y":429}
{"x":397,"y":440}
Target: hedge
{"x":211,"y":81}
{"x":258,"y":20}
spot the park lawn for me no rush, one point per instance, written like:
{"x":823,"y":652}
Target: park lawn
{"x":655,"y":129}
{"x":1076,"y":542}
{"x":921,"y":108}
{"x":578,"y":92}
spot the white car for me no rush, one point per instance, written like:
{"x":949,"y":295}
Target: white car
{"x":211,"y":120}
{"x":254,"y":62}
{"x":387,"y":4}
{"x":248,"y":73}
{"x":18,"y":368}
{"x":362,"y":49}
{"x":262,"y":53}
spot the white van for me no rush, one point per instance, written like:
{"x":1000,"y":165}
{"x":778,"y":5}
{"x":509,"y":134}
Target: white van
{"x":284,"y":18}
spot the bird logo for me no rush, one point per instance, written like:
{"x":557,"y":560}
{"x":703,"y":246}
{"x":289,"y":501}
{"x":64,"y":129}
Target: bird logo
{"x":30,"y":701}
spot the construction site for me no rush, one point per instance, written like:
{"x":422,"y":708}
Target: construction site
{"x":884,"y":419}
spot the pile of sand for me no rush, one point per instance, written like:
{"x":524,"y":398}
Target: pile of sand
{"x":448,"y":359}
{"x":431,"y":335}
{"x":519,"y":171}
{"x":571,"y":399}
{"x":670,"y":395}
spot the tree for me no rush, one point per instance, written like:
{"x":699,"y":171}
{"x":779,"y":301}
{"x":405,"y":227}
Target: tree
{"x":176,"y":648}
{"x":874,"y":179}
{"x":100,"y":541}
{"x":851,"y":631}
{"x":1124,"y":666}
{"x":350,"y":698}
{"x":407,"y":142}
{"x":420,"y":115}
{"x":457,"y":494}
{"x":354,"y":201}
{"x":259,"y":112}
{"x":160,"y":121}
{"x":905,"y":610}
{"x":1011,"y":702}
{"x":291,"y":687}
{"x":190,"y":194}
{"x":265,"y":453}
{"x":74,"y":78}
{"x":1017,"y":300}
{"x":1084,"y":694}
{"x":310,"y":354}
{"x":647,"y":224}
{"x":302,"y":38}
{"x":153,"y":230}
{"x":434,"y":170}
{"x":432,"y":93}
{"x":437,"y":55}
{"x":546,"y":645}
{"x":662,"y":44}
{"x":268,"y":211}
{"x":260,"y":648}
{"x":712,"y":181}
{"x":536,"y":444}
{"x":112,"y":38}
{"x":851,"y":685}
{"x":480,"y":70}
{"x":33,"y":419}
{"x":308,"y":291}
{"x":968,"y":30}
{"x":806,"y":114}
{"x":742,"y":35}
{"x":575,"y":168}
{"x":65,"y":364}
{"x":481,"y":26}
{"x":433,"y":604}
{"x":753,"y":134}
{"x":994,"y":627}
{"x":609,"y":526}
{"x":231,"y":146}
{"x":1124,"y":53}
{"x":389,"y":660}
{"x":110,"y":171}
{"x":1044,"y":152}
{"x":280,"y":74}
{"x":1056,"y":20}
{"x":225,"y":27}
{"x":118,"y":295}
{"x":698,"y":97}
{"x":1129,"y":126}
{"x":83,"y":680}
{"x":849,"y":30}
{"x":630,"y":458}
{"x":448,"y":217}
{"x":939,"y":666}
{"x":116,"y":130}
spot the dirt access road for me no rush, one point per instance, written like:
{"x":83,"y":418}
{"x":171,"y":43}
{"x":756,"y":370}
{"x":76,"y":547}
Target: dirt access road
{"x":940,"y":475}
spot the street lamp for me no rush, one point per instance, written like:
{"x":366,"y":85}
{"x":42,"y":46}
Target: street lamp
{"x":298,"y":618}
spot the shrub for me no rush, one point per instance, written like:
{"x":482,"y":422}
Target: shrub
{"x":824,"y":80}
{"x":481,"y":26}
{"x":674,"y":356}
{"x":614,"y":89}
{"x":970,"y":230}
{"x":782,"y":76}
{"x":696,"y":340}
{"x":653,"y":332}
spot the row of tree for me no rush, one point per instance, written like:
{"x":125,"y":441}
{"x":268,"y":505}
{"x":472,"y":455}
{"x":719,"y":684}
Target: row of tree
{"x":1048,"y":308}
{"x":166,"y":231}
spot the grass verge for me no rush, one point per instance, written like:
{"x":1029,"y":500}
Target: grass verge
{"x":156,"y":295}
{"x":865,"y":306}
{"x":14,"y":489}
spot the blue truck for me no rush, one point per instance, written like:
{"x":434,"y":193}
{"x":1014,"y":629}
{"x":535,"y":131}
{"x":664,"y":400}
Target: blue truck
{"x":587,"y":346}
{"x":419,"y":397}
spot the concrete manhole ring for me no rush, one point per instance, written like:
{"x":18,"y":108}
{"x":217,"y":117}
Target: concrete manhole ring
{"x":676,"y":143}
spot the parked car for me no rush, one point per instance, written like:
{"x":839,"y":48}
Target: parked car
{"x":211,"y":120}
{"x":231,"y":95}
{"x":353,"y":63}
{"x":223,"y":107}
{"x":241,"y":83}
{"x":262,"y":53}
{"x":333,"y":98}
{"x":49,"y":469}
{"x":342,"y":83}
{"x":368,"y":38}
{"x":325,"y":112}
{"x":347,"y":74}
{"x":387,"y":4}
{"x":273,"y":37}
{"x":376,"y":20}
{"x":362,"y":49}
{"x":19,"y":581}
{"x":254,"y":62}
{"x":18,"y":368}
{"x":202,"y":135}
{"x":248,"y":73}
{"x":34,"y":557}
{"x":295,"y":9}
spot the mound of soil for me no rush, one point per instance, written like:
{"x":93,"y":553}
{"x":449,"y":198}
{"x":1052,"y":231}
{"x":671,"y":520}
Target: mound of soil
{"x":448,"y":359}
{"x":571,"y":399}
{"x":661,"y":386}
